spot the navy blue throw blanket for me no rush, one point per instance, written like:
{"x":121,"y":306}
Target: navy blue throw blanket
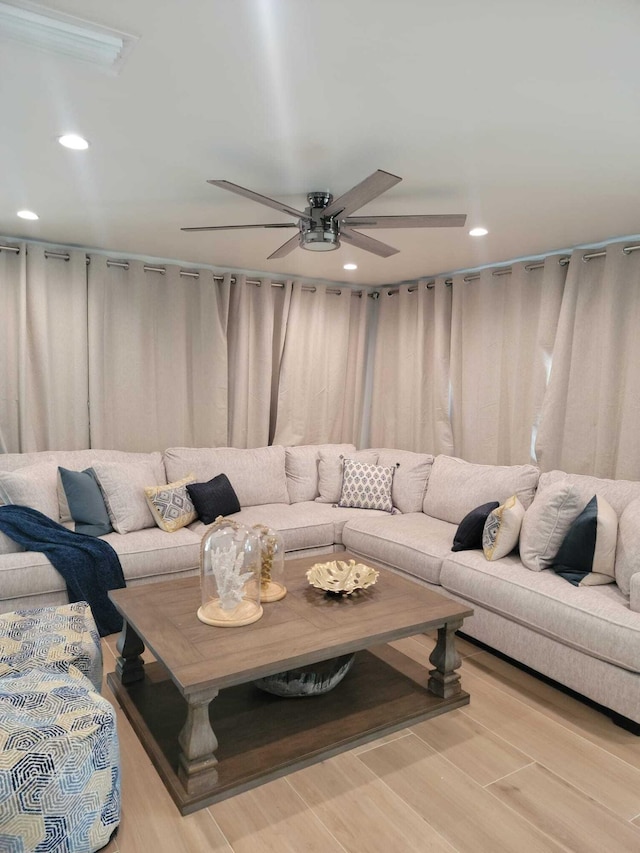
{"x":89,"y":566}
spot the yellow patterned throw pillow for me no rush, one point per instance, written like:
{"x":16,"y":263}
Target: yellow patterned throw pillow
{"x":171,"y":505}
{"x":502,"y":529}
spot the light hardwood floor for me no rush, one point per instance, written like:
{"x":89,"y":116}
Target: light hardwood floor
{"x":523,"y":768}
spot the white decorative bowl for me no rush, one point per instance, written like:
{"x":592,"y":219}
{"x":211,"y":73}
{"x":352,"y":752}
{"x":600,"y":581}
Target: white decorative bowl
{"x":341,"y":578}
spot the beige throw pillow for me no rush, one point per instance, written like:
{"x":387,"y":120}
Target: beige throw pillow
{"x":123,"y":485}
{"x":502,"y":529}
{"x":171,"y":505}
{"x":546,"y":523}
{"x":35,"y":486}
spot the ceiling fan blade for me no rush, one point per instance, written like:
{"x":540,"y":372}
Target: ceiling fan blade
{"x":362,"y":193}
{"x":444,"y":220}
{"x":234,"y":227}
{"x":261,"y":199}
{"x":287,"y":247}
{"x":361,"y":241}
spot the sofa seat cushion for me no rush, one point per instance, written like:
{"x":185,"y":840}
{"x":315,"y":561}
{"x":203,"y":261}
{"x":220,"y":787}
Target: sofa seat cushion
{"x":301,"y":525}
{"x":153,"y":553}
{"x":595,"y":620}
{"x":414,"y":543}
{"x":338,"y":516}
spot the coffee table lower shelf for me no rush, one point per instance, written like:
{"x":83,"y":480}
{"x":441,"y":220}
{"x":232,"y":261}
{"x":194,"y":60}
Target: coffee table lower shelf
{"x":261,"y":737}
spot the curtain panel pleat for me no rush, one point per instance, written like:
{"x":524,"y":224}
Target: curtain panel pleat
{"x":410,"y":397}
{"x":44,"y":348}
{"x":157,"y":357}
{"x":257,"y":318}
{"x":321,"y":385}
{"x":591,"y":412}
{"x":503,"y":328}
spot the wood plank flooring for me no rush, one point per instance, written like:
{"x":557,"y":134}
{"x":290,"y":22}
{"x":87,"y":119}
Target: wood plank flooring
{"x":523,"y":768}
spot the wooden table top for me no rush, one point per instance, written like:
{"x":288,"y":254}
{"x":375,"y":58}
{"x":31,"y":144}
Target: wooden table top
{"x":303,"y":628}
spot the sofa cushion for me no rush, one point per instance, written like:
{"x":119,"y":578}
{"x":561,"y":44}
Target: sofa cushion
{"x":330,"y":471}
{"x":595,"y":620}
{"x":502,"y":529}
{"x":366,"y":486}
{"x":123,"y":485}
{"x":85,"y":502}
{"x":8,"y":546}
{"x":588,"y":551}
{"x":171,"y":505}
{"x":456,"y":487}
{"x":628,"y":546}
{"x":413,"y":542}
{"x":300,"y":525}
{"x":410,"y":479}
{"x":338,"y":516}
{"x":152,"y":554}
{"x":301,"y":466}
{"x":257,"y":474}
{"x":618,"y":493}
{"x":546,"y":523}
{"x":35,"y":486}
{"x":217,"y":497}
{"x":469,"y":532}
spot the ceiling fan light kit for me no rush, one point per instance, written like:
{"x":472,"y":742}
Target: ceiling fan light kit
{"x":327,"y":221}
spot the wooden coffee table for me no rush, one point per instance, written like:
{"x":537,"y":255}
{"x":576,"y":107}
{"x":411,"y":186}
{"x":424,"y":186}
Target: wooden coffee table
{"x":212,"y":733}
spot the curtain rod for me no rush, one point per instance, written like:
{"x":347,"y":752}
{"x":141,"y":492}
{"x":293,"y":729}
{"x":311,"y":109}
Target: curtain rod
{"x":563,"y":261}
{"x":65,"y":256}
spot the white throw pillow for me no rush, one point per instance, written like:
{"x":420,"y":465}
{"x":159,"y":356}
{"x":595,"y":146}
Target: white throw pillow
{"x":502,"y":529}
{"x":546,"y":522}
{"x":366,"y":486}
{"x":628,"y":547}
{"x":123,"y":485}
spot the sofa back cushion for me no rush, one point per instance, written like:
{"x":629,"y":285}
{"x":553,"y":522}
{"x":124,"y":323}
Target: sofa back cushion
{"x":455,"y":487}
{"x":301,"y":465}
{"x":618,"y":493}
{"x":257,"y":474}
{"x":410,"y":478}
{"x":35,"y":486}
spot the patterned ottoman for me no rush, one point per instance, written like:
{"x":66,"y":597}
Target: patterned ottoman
{"x":59,"y":764}
{"x":51,"y":638}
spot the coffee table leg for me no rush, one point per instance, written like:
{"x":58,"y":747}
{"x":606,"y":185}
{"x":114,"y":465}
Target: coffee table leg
{"x":443,"y":680}
{"x":198,"y":743}
{"x":129,"y":666}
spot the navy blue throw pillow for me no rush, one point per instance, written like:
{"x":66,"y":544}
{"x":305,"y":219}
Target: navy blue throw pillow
{"x":587,"y":554}
{"x":86,"y":503}
{"x":217,"y":497}
{"x":469,"y":533}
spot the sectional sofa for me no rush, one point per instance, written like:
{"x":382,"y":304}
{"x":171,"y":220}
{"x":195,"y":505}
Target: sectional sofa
{"x":586,"y":637}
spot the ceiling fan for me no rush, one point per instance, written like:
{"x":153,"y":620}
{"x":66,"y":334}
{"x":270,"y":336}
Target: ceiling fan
{"x":327,"y":221}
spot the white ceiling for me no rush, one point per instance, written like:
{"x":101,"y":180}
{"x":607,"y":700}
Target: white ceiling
{"x":524,"y":115}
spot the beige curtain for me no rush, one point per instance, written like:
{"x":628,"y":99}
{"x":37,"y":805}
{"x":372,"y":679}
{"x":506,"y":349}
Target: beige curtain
{"x":12,"y":287}
{"x":157,"y":357}
{"x":502,"y":332}
{"x":321,"y":385}
{"x":44,"y":383}
{"x":591,"y":413}
{"x":257,"y":319}
{"x":410,"y":398}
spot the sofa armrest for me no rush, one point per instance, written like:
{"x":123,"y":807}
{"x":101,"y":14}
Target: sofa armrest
{"x":634,"y":598}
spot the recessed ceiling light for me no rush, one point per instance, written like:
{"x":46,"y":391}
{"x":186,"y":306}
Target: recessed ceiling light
{"x":350,"y":267}
{"x":27,"y":214}
{"x":478,"y":232}
{"x":72,"y":140}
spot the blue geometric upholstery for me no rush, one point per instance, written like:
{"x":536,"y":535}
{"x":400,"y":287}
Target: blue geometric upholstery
{"x":59,"y":764}
{"x":52,"y":639}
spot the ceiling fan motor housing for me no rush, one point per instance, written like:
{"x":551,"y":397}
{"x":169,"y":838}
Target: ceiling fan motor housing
{"x":321,"y":233}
